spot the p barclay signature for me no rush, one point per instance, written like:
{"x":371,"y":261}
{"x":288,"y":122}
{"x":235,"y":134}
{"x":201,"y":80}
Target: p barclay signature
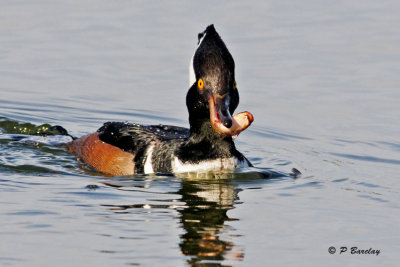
{"x":354,"y":250}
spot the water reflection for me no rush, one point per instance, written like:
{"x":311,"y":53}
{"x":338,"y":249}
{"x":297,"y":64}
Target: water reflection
{"x":203,"y":220}
{"x":202,"y":205}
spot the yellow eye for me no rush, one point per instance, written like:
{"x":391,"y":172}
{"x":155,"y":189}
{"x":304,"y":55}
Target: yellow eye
{"x":200,"y":84}
{"x":234,"y":85}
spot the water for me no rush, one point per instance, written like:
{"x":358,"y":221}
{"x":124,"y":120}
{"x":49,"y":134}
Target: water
{"x":321,"y":79}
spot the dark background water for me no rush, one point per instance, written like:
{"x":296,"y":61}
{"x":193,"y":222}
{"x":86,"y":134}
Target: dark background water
{"x":321,"y":79}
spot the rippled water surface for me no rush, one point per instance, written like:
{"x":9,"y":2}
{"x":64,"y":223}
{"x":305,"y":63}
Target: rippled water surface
{"x":321,"y":78}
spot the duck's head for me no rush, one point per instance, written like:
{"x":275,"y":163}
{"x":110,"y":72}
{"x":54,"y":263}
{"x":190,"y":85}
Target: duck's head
{"x":213,"y":95}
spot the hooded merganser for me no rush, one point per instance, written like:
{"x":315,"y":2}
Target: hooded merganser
{"x":119,"y":148}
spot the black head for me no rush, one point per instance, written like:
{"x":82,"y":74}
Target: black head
{"x":213,"y":96}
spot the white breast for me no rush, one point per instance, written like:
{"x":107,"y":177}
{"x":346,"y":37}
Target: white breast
{"x":208,"y":165}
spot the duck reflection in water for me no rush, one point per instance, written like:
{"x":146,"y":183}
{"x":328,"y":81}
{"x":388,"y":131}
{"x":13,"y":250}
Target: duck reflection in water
{"x":207,"y":241}
{"x":203,"y":220}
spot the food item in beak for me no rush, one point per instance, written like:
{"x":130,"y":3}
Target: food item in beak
{"x":240,"y":121}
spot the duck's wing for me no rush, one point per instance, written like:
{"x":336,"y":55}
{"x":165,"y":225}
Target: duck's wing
{"x":134,"y":138}
{"x":168,"y":132}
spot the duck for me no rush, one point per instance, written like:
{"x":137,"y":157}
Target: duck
{"x":121,"y":148}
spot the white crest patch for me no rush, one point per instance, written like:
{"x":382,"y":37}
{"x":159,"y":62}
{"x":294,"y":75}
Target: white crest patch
{"x":208,"y":165}
{"x":192,"y":75}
